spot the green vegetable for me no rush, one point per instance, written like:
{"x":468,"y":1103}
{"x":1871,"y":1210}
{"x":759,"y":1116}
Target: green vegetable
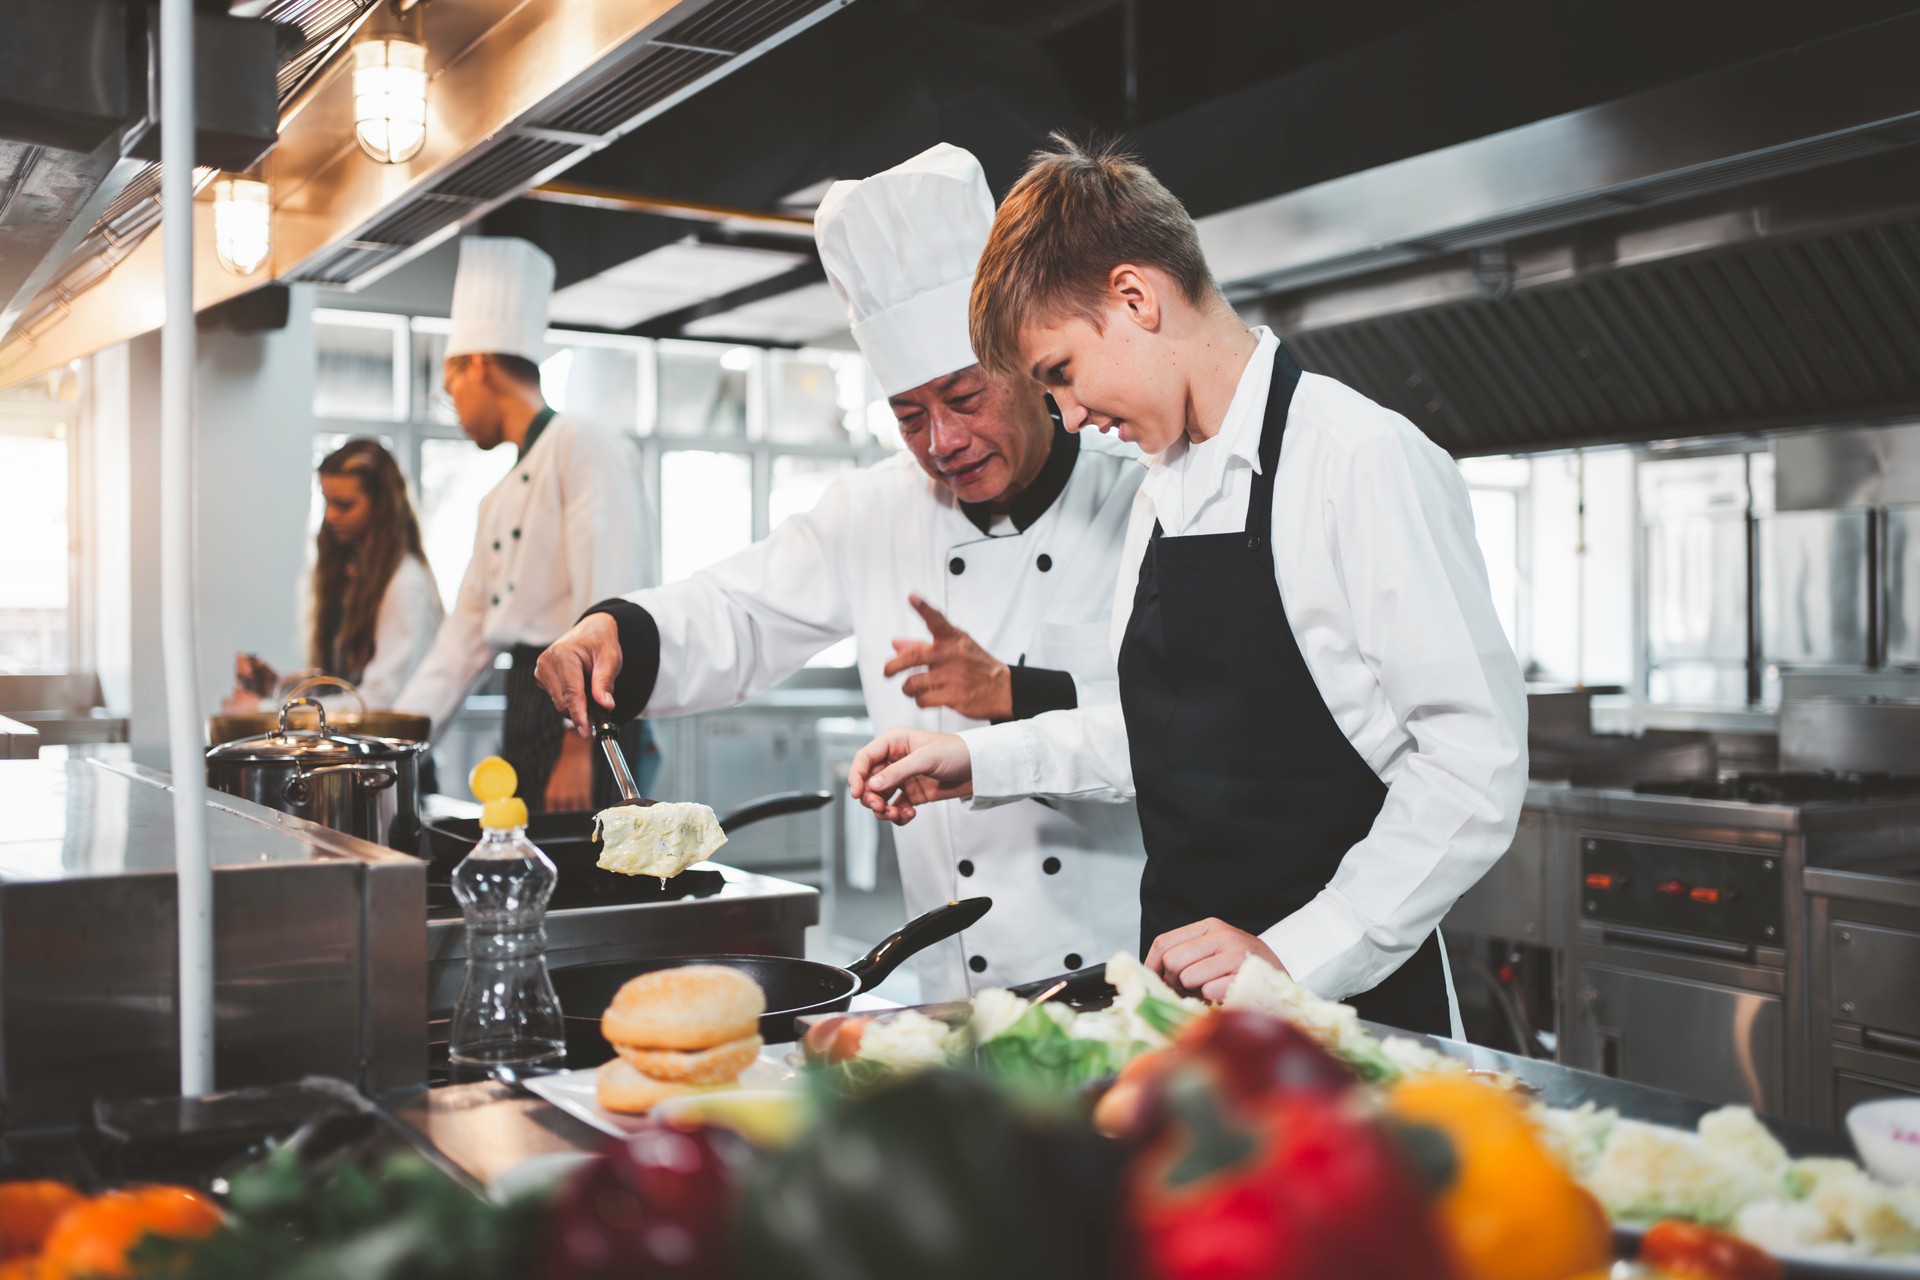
{"x":939,"y":1177}
{"x":405,"y":1220}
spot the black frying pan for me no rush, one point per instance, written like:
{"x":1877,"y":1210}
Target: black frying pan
{"x":794,"y":987}
{"x":567,"y":836}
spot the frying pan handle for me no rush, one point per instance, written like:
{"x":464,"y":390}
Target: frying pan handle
{"x":916,"y":936}
{"x":777,"y":805}
{"x":1081,"y":984}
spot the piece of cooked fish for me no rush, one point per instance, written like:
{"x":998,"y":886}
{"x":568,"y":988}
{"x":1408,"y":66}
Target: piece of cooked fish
{"x":661,"y":839}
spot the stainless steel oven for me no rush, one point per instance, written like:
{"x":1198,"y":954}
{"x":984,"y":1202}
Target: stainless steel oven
{"x":1680,"y":975}
{"x":1864,"y":989}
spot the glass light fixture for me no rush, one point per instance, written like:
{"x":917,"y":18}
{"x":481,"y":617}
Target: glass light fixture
{"x":242,"y":224}
{"x":390,"y":96}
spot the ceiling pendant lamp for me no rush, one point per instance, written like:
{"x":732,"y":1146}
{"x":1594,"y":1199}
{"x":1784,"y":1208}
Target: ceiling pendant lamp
{"x":390,"y":84}
{"x":242,"y":223}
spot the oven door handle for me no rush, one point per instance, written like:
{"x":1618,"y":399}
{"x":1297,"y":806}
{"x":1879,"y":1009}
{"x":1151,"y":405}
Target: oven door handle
{"x":1657,"y":941}
{"x":1888,"y":1042}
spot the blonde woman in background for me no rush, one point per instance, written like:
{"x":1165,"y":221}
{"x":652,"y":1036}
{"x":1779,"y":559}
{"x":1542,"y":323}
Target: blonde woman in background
{"x":372,"y":607}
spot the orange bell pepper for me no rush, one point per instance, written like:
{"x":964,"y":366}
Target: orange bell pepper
{"x":1509,"y":1211}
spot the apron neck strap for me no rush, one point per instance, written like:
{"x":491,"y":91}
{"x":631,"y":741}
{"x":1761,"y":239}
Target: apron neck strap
{"x":1286,"y":376}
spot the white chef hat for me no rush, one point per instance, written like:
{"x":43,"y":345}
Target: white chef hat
{"x":900,"y":248}
{"x":500,"y":297}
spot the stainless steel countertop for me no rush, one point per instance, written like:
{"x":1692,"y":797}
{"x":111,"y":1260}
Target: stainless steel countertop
{"x":83,"y":818}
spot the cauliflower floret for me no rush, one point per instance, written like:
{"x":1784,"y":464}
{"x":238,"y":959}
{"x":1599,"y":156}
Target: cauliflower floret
{"x":1647,"y":1171}
{"x":1264,"y":989}
{"x":1736,"y":1134}
{"x":1411,"y":1058}
{"x":1875,"y":1216}
{"x":1779,"y":1225}
{"x":907,"y":1041}
{"x":994,"y":1010}
{"x":1135,"y":982}
{"x":1577,"y":1137}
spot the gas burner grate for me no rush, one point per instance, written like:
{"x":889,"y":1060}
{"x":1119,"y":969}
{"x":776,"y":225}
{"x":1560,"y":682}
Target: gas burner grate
{"x":1789,"y":788}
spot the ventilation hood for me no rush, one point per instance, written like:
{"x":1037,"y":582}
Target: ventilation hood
{"x":1739,"y":252}
{"x":520,"y":90}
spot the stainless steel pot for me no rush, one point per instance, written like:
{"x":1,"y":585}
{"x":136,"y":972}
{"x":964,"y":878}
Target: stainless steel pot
{"x":365,"y":786}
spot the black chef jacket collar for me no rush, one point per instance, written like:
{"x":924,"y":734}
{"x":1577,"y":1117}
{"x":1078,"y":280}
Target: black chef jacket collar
{"x":534,"y":428}
{"x":1033,"y":501}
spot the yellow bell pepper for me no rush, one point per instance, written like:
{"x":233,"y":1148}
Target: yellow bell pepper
{"x":1510,"y":1210}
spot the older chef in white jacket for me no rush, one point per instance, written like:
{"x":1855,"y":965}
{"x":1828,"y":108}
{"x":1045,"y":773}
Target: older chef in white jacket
{"x":565,"y":527}
{"x":1008,"y":530}
{"x":1320,"y":718}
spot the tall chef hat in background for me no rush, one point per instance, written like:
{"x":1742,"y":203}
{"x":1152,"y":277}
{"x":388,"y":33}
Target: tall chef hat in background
{"x":900,"y":248}
{"x":500,"y":297}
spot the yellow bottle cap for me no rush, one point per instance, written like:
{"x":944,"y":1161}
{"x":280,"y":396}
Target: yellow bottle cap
{"x":493,"y":779}
{"x":504,"y":815}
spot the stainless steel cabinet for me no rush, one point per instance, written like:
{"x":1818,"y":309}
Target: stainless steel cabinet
{"x":1814,"y":588}
{"x":1903,"y":586}
{"x":1630,"y":1025}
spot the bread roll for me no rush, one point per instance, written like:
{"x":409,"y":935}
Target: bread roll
{"x":697,"y":1006}
{"x":620,"y":1088}
{"x":697,"y":1066}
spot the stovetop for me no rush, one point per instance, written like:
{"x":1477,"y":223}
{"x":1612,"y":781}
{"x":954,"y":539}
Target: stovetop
{"x":603,"y":889}
{"x":1792,"y":788}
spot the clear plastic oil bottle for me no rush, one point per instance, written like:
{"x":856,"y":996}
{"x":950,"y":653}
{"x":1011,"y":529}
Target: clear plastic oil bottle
{"x":507,"y":1021}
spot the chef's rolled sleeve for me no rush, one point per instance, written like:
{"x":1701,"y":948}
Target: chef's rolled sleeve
{"x":1037,"y":691}
{"x":639,"y":637}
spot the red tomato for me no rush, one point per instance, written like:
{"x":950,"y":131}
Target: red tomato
{"x":1695,"y":1252}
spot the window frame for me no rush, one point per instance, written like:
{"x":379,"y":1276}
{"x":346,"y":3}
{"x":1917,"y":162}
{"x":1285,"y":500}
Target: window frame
{"x":70,"y":418}
{"x":861,"y":447}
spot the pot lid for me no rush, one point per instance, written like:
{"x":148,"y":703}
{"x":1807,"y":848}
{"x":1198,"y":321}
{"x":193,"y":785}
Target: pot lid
{"x":319,"y":744}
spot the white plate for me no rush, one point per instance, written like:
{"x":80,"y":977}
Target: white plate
{"x":1803,"y":1262}
{"x":574,"y":1091}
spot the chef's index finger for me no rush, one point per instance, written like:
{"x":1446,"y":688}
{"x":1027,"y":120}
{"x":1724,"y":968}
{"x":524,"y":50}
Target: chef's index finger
{"x":936,"y":621}
{"x":907,"y":654}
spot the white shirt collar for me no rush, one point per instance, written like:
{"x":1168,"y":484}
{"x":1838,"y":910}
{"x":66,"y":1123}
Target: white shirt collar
{"x":1183,"y":477}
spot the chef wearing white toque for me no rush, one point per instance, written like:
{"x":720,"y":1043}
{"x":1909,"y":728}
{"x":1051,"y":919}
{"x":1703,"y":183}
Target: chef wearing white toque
{"x":565,"y":527}
{"x":978,"y":564}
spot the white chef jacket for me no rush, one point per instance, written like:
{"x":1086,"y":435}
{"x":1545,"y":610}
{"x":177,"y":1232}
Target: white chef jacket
{"x":1042,"y":596}
{"x":564,"y":528}
{"x":403,"y":631}
{"x":1386,"y":594}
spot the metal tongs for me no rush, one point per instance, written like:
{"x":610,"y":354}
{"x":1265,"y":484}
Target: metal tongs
{"x":617,"y":761}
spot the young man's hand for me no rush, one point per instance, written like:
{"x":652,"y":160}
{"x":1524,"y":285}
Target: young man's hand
{"x":903,"y":768}
{"x":955,"y":671}
{"x":1202,"y":957}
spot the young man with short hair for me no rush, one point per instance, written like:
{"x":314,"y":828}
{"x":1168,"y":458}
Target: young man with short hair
{"x":1320,"y":716}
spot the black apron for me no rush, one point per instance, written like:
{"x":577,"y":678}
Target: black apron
{"x":532,"y":730}
{"x":1249,"y":793}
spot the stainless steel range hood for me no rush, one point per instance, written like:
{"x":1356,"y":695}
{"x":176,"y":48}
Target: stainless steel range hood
{"x":1735,"y":253}
{"x":520,"y":90}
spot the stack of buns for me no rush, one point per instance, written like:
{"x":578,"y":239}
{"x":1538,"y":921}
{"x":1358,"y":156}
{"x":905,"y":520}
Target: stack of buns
{"x":679,"y":1031}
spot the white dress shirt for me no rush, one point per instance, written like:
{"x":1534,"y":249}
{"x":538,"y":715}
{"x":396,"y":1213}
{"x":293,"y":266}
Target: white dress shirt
{"x":1387,"y":598}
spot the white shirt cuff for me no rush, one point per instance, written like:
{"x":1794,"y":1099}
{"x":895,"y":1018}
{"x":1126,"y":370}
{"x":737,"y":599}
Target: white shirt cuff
{"x":1326,"y":950}
{"x":1003,"y":768}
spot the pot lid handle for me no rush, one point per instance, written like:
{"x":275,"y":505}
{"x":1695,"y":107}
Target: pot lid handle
{"x":318,"y":709}
{"x":321,"y":680}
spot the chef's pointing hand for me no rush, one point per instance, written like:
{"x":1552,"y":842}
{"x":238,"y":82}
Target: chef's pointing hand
{"x":956,"y":672}
{"x":903,"y":768}
{"x":586,"y":658}
{"x":1202,"y":957}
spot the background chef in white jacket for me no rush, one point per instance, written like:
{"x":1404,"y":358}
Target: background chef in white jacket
{"x":1320,"y":716}
{"x":565,"y":527}
{"x":1005,"y":527}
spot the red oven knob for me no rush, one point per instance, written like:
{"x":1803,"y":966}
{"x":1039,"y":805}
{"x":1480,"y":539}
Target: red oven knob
{"x":1673,"y":889}
{"x":1605,"y":880}
{"x":1711,"y":896}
